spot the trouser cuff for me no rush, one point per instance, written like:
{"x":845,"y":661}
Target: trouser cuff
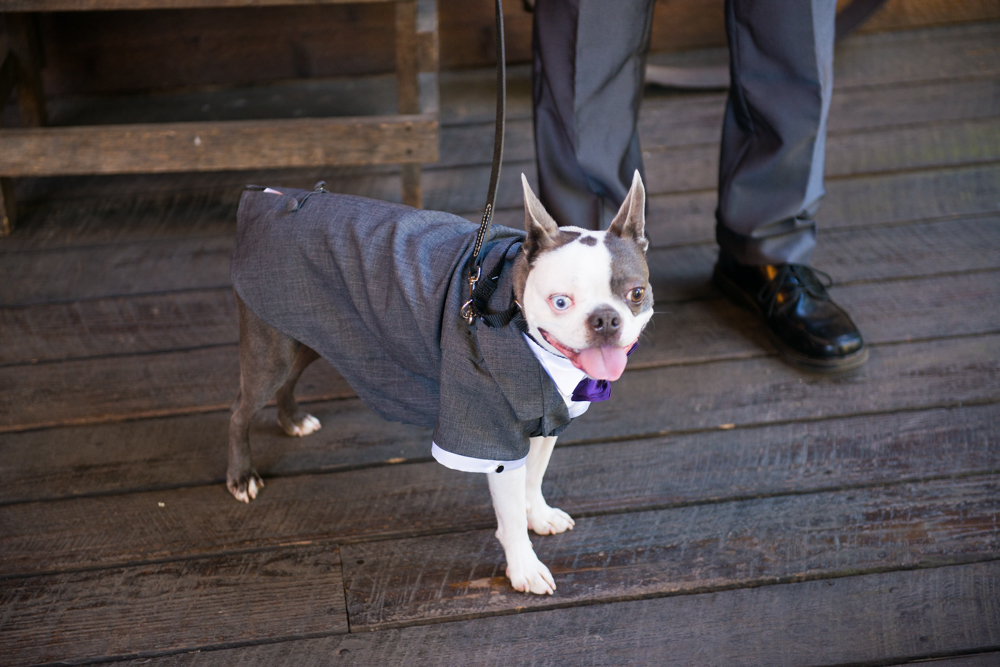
{"x":787,"y":242}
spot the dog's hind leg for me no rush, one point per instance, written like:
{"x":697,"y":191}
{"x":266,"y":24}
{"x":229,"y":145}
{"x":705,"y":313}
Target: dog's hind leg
{"x":292,"y":420}
{"x":266,"y":356}
{"x":542,"y":519}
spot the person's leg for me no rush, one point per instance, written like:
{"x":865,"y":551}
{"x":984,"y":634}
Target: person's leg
{"x":771,"y":178}
{"x":774,"y":133}
{"x":589,"y":61}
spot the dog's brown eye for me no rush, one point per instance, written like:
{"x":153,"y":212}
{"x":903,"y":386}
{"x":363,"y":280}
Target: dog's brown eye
{"x":636,"y":294}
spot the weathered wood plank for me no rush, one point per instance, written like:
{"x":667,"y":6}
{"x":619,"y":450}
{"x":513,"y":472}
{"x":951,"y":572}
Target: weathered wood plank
{"x":856,"y":153}
{"x":204,"y":263}
{"x":673,"y":219}
{"x":118,"y":325}
{"x":887,"y":312}
{"x":467,"y":97}
{"x":154,"y":266}
{"x":889,"y":59}
{"x":669,"y":121}
{"x":426,"y":498}
{"x":869,"y":200}
{"x":684,"y":332}
{"x":681,"y":140}
{"x":173,"y":606}
{"x":875,"y":619}
{"x":897,"y":14}
{"x":690,"y":549}
{"x":689,"y":217}
{"x":856,"y":255}
{"x":208,"y":146}
{"x":151,"y":213}
{"x":167,"y":452}
{"x":755,"y":391}
{"x":127,"y":387}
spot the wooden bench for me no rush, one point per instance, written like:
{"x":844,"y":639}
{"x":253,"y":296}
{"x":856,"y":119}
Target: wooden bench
{"x":408,"y":138}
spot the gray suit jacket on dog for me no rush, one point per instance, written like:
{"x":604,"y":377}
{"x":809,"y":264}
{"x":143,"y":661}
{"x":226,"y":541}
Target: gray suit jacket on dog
{"x":376,"y":288}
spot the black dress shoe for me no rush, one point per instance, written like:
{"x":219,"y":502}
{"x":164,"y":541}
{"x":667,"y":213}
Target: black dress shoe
{"x":810,"y":331}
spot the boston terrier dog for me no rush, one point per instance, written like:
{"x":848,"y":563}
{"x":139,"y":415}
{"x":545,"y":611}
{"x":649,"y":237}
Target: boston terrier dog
{"x":377,"y":289}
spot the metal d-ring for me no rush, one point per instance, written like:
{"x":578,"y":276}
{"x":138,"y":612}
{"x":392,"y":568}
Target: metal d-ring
{"x":295,"y":204}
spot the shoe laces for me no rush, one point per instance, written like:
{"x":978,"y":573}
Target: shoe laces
{"x":794,"y":280}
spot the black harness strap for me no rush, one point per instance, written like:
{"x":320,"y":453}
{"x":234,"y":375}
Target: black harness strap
{"x":485,"y":289}
{"x":478,"y":252}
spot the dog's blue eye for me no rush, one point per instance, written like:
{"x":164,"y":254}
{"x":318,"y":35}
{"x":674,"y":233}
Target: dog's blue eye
{"x":561,"y":302}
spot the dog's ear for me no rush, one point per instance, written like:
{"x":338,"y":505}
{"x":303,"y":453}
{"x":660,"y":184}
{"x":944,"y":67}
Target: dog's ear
{"x":541,"y":228}
{"x":630,"y":223}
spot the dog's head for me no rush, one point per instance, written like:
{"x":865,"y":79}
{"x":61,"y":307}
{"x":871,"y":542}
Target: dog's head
{"x":585,"y":294}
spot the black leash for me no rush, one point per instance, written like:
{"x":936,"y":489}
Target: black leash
{"x":473,"y":308}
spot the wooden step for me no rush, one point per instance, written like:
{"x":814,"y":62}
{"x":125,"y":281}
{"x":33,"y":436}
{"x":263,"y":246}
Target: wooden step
{"x":890,"y":618}
{"x":173,"y":606}
{"x":668,"y":552}
{"x":406,"y":500}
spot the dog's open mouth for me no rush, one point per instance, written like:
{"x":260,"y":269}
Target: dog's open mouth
{"x":601,"y":363}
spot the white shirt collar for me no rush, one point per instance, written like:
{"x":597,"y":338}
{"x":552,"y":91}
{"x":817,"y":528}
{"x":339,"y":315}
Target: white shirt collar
{"x":564,"y":374}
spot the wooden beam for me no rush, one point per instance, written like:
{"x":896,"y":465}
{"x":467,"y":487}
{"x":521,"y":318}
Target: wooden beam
{"x":428,"y":56}
{"x":410,"y":183}
{"x":7,"y":66}
{"x":8,"y":207}
{"x":408,"y":97}
{"x":408,"y":89}
{"x":211,"y":146}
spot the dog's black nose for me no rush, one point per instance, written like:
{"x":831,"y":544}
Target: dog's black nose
{"x":604,"y":321}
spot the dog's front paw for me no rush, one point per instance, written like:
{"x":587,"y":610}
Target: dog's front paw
{"x":299,"y":425}
{"x":546,"y":520}
{"x":245,"y":487}
{"x":528,"y":574}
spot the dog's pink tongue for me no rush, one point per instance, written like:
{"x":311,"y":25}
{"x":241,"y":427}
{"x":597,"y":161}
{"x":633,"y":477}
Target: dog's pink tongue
{"x":603,"y":363}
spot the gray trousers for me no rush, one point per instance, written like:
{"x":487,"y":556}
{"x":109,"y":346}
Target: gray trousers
{"x":589,"y":59}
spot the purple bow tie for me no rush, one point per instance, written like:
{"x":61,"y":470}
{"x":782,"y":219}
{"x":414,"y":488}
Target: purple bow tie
{"x":593,"y":390}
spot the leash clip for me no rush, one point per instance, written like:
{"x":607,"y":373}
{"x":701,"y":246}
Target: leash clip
{"x":467,"y":310}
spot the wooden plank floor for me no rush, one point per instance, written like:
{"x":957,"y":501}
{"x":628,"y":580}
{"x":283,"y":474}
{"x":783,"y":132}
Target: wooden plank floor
{"x":730,"y":510}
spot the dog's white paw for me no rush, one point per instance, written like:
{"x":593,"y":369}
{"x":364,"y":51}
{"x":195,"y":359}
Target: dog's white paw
{"x":546,"y":520}
{"x":528,"y":574}
{"x":246,"y":489}
{"x":301,"y":424}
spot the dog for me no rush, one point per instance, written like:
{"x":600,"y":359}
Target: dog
{"x":377,"y":290}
